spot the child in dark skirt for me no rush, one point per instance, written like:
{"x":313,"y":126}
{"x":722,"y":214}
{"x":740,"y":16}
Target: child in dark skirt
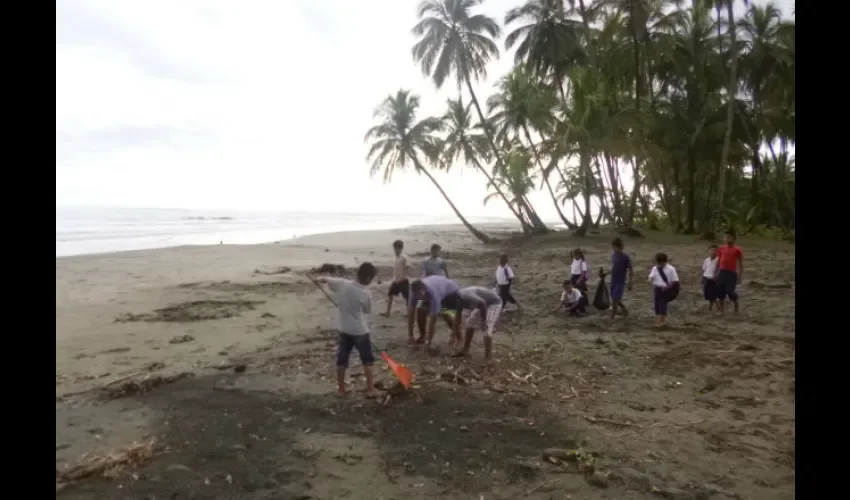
{"x":665,"y":286}
{"x":579,"y":271}
{"x":709,"y":272}
{"x":504,"y":279}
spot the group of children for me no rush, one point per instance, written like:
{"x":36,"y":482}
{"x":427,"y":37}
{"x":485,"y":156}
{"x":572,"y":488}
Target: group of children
{"x":721,"y":272}
{"x":435,"y":295}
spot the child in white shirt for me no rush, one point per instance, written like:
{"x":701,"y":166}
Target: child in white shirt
{"x":665,"y":284}
{"x":572,"y":300}
{"x":504,"y":279}
{"x":709,"y":273}
{"x":579,"y":271}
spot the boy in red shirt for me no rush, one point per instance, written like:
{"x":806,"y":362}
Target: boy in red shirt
{"x":730,"y":268}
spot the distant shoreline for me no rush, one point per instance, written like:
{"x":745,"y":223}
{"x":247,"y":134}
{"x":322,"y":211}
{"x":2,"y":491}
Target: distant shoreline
{"x":92,"y":231}
{"x":316,"y":239}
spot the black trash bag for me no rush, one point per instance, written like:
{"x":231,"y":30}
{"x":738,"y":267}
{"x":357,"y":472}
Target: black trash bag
{"x":673,"y":291}
{"x":602,"y":297}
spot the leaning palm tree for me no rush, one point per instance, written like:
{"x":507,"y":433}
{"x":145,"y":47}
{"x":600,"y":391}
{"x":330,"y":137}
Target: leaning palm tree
{"x":464,"y":143}
{"x":521,"y":104}
{"x":399,"y":140}
{"x":454,"y":41}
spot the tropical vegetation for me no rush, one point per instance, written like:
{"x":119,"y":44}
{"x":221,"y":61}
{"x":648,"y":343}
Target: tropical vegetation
{"x":652,"y":113}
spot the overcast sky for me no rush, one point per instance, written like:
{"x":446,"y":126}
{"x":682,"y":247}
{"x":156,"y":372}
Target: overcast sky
{"x":243,"y":104}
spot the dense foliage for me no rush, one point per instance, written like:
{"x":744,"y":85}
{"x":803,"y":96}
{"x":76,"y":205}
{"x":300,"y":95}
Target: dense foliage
{"x":663,"y":113}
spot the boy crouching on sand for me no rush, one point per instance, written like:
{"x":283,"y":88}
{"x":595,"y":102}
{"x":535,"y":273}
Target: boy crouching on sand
{"x":572,"y":300}
{"x":354,"y":302}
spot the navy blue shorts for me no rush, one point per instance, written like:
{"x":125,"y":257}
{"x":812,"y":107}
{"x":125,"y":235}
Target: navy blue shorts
{"x":727,"y":281}
{"x":709,"y":289}
{"x":363,"y":344}
{"x":617,"y":291}
{"x":660,"y":300}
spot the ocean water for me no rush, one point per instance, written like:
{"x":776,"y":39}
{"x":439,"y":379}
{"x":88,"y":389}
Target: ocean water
{"x":101,"y":230}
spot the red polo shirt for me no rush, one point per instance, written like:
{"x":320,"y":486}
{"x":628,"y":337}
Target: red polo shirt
{"x":728,"y":257}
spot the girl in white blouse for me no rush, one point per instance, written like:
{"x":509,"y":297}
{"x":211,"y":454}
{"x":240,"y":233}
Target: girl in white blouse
{"x":665,"y":286}
{"x":579,"y":271}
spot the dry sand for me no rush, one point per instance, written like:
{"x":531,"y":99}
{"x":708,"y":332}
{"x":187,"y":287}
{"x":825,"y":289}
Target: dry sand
{"x":226,"y":363}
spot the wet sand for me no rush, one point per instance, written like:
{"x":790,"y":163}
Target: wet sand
{"x":222,"y":356}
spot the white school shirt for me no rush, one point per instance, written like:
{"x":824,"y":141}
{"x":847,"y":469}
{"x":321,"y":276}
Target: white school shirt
{"x":504,"y":275}
{"x":669,"y":271}
{"x":578,"y":267}
{"x":570,"y":298}
{"x":400,"y":268}
{"x":709,"y":267}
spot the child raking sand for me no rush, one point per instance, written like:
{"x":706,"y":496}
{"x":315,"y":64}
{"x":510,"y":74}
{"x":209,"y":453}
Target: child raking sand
{"x":354,"y":302}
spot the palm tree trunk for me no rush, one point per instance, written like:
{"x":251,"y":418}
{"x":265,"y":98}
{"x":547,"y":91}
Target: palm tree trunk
{"x":584,"y":165}
{"x":499,"y":191}
{"x":538,"y":224}
{"x":566,"y":221}
{"x":730,"y":108}
{"x":483,"y":238}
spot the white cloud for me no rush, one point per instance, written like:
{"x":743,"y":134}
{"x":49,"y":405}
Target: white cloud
{"x":256,"y":104}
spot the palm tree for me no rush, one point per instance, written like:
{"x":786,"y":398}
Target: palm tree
{"x":454,"y":41}
{"x":731,"y":94}
{"x":518,"y":104}
{"x":399,"y":139}
{"x":547,"y":42}
{"x":464,"y":144}
{"x":515,"y":177}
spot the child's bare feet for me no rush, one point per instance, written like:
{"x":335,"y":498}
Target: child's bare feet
{"x":386,"y":315}
{"x":371,"y":394}
{"x":342,"y":392}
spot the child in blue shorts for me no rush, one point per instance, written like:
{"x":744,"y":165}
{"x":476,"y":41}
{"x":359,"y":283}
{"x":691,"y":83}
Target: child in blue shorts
{"x":354,"y":301}
{"x":621,"y":276}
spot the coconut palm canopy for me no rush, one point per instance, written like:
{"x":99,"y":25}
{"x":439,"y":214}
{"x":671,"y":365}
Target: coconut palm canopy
{"x":660,"y":113}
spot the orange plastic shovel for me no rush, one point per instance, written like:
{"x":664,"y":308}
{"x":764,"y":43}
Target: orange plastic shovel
{"x":402,"y":372}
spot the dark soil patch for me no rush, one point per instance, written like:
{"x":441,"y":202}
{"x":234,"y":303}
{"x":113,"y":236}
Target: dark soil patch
{"x":231,"y":444}
{"x":272,"y":272}
{"x":198,"y":310}
{"x":138,"y":387}
{"x":271,"y":288}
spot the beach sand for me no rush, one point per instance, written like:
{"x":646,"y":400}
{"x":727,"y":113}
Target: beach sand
{"x":225,"y":360}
